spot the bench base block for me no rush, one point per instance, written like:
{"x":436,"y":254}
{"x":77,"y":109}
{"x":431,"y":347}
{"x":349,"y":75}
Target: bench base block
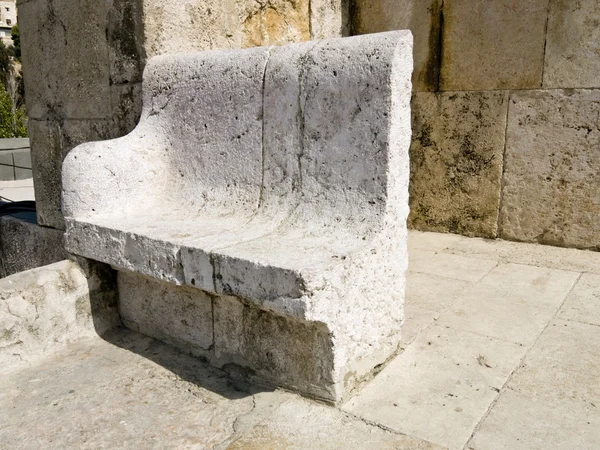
{"x":239,"y":337}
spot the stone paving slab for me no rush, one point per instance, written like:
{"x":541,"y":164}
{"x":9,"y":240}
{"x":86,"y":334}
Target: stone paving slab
{"x":529,"y":254}
{"x":553,"y":401}
{"x":513,"y":303}
{"x":17,"y":190}
{"x":301,"y":425}
{"x":432,"y":292}
{"x":416,"y":319}
{"x":440,"y":387}
{"x":449,"y":387}
{"x":583,"y":303}
{"x":418,"y":240}
{"x":451,"y":266}
{"x":128,"y":392}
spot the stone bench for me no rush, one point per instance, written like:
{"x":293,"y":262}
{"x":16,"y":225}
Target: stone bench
{"x":267,"y":187}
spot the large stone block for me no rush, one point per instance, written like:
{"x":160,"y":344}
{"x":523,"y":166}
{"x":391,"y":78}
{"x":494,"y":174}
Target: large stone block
{"x":456,"y":161}
{"x":495,"y":44}
{"x":573,"y":45}
{"x":46,"y":158}
{"x":181,"y":317}
{"x":25,"y":246}
{"x":275,"y":22}
{"x":44,"y":309}
{"x":292,"y":181}
{"x":422,"y":17}
{"x":201,"y":25}
{"x":126,"y":102}
{"x":281,"y":350}
{"x":126,"y":41}
{"x":551,"y":189}
{"x":65,"y":59}
{"x":329,"y":18}
{"x":51,"y":141}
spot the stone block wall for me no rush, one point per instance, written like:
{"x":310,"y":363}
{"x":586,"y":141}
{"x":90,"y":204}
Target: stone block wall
{"x":504,"y":138}
{"x":83,"y":62}
{"x":506,"y":135}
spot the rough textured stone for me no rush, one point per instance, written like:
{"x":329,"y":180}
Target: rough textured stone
{"x":127,"y":391}
{"x":551,"y":401}
{"x":583,"y":303}
{"x":280,"y":350}
{"x":46,"y":158}
{"x":127,"y":54}
{"x":103,"y":58}
{"x":279,"y":203}
{"x":44,"y":309}
{"x":456,"y":161}
{"x":25,"y":246}
{"x":51,"y":142}
{"x":181,"y":317}
{"x":493,"y":44}
{"x":65,"y":59}
{"x":275,"y":22}
{"x":573,"y":45}
{"x":513,"y":303}
{"x":551,"y":189}
{"x":440,"y":387}
{"x":200,"y":25}
{"x":300,"y":425}
{"x":422,"y":17}
{"x":329,"y":18}
{"x":529,"y":254}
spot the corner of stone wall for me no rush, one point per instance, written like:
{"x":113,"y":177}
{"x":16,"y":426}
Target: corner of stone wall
{"x":503,"y":131}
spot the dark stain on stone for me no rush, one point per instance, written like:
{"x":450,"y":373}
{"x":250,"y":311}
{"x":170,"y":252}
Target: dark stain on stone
{"x":354,"y":24}
{"x":430,"y":77}
{"x":125,"y":37}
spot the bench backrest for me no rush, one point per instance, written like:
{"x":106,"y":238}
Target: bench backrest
{"x":313,"y":127}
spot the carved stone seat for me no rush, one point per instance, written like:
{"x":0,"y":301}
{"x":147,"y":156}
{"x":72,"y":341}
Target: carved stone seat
{"x":277,"y":176}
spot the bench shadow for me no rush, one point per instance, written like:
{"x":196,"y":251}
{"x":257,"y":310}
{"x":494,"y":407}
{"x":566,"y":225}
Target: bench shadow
{"x":102,"y":284}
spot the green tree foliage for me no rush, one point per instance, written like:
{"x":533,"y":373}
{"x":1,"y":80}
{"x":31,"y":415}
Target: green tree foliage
{"x":16,"y":38}
{"x":13,"y":118}
{"x":13,"y":121}
{"x":5,"y":63}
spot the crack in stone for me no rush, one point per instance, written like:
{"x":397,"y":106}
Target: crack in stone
{"x":263,"y":149}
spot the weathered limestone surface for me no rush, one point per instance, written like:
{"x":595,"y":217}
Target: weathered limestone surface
{"x":199,"y":25}
{"x":493,"y":44}
{"x":75,"y":86}
{"x":25,"y":246}
{"x":573,"y":45}
{"x":436,"y":390}
{"x":230,"y":333}
{"x":550,"y":402}
{"x":46,"y":308}
{"x":329,"y":18}
{"x":91,"y":69}
{"x":552,"y":185}
{"x":456,"y":161}
{"x":583,"y":302}
{"x":182,"y":317}
{"x":422,"y":17}
{"x":299,"y":222}
{"x":82,"y":82}
{"x":300,"y":425}
{"x":127,"y":391}
{"x":51,"y":142}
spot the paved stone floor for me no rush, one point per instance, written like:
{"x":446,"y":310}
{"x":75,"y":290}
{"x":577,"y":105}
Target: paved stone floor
{"x":501,"y":351}
{"x":17,"y":190}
